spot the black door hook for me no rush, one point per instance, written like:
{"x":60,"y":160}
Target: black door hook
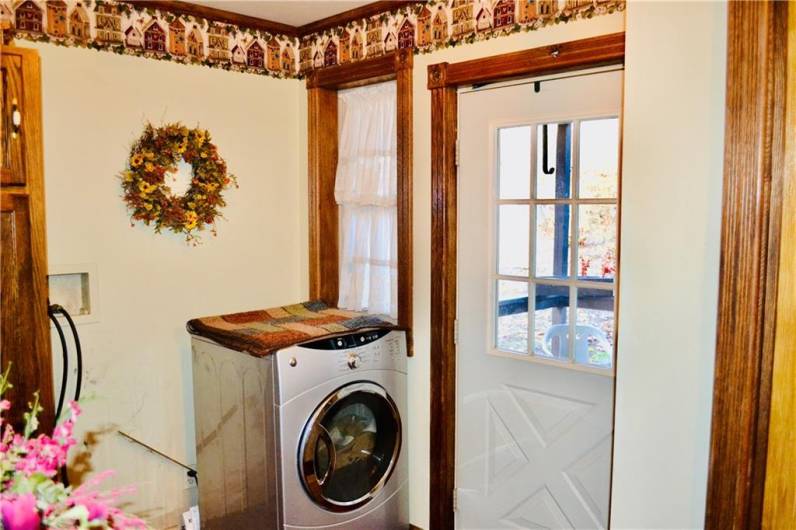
{"x":545,"y":168}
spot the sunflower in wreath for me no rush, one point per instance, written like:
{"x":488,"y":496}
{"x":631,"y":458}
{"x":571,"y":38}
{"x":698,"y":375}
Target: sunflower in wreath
{"x":156,"y":154}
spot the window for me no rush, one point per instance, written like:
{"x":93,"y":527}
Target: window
{"x":323,"y":120}
{"x":556,"y":240}
{"x":366,"y":192}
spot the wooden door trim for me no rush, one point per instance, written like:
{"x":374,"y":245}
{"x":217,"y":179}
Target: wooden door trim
{"x":322,"y":87}
{"x":751,"y":226}
{"x":443,"y":81}
{"x":780,"y":487}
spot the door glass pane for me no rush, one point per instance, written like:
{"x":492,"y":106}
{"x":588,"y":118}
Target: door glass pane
{"x":512,"y":328}
{"x":551,"y":317}
{"x":553,"y":181}
{"x":364,"y":434}
{"x":514,"y":239}
{"x":599,"y":158}
{"x":552,"y":241}
{"x":594,"y":338}
{"x":514,"y":162}
{"x":597,"y":242}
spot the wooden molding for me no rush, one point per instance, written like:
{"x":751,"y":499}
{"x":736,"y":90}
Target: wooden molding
{"x":753,"y":176}
{"x":364,"y":72}
{"x":322,"y":87}
{"x":572,"y":55}
{"x":220,"y":15}
{"x":443,"y":81}
{"x":404,"y":60}
{"x":779,"y":506}
{"x":437,"y":75}
{"x":323,"y":211}
{"x":443,"y":306}
{"x":403,"y":72}
{"x":358,"y":13}
{"x":270,"y":26}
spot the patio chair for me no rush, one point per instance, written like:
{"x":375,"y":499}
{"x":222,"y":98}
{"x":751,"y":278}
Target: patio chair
{"x":583,"y":333}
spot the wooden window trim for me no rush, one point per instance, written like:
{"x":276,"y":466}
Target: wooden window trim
{"x":443,"y":82}
{"x":750,"y":247}
{"x":322,"y":87}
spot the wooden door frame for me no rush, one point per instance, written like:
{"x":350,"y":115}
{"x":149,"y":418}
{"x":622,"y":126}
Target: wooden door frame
{"x":750,"y":247}
{"x":443,"y":81}
{"x":780,"y":488}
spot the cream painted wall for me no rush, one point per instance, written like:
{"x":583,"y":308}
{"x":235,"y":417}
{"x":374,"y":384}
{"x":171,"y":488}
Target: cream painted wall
{"x":137,"y":356}
{"x":671,"y":214}
{"x":419,"y":367}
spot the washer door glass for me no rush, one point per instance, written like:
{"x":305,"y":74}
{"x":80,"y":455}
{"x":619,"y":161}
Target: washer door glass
{"x":349,"y":446}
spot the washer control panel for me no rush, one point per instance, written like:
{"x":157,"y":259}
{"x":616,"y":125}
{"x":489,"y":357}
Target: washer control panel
{"x":383,"y":351}
{"x":306,"y":365}
{"x":345,"y":342}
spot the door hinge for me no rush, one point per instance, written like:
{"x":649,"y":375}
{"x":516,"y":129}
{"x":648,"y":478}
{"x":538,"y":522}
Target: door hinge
{"x":456,"y":331}
{"x":455,"y":499}
{"x":457,"y":152}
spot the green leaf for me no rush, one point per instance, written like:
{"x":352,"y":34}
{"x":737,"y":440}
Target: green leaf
{"x":4,"y":384}
{"x":77,"y":514}
{"x":32,"y":416}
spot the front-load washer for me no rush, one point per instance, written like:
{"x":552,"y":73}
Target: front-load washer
{"x":312,"y":436}
{"x":342,"y":403}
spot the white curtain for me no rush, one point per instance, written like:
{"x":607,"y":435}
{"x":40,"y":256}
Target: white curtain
{"x":366,"y":191}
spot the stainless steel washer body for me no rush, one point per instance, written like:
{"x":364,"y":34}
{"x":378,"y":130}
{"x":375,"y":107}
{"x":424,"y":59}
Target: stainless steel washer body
{"x":310,"y":437}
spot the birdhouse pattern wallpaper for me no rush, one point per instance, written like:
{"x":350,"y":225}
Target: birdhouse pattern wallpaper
{"x":122,"y":28}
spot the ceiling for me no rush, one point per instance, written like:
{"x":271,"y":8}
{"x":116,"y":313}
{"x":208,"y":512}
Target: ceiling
{"x":294,"y":13}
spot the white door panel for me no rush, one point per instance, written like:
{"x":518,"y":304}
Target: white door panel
{"x":533,"y":438}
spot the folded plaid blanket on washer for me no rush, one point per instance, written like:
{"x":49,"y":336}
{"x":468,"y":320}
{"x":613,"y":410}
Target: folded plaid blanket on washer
{"x":265,"y":331}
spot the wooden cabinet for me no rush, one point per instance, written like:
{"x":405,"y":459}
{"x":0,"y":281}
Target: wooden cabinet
{"x":24,"y":325}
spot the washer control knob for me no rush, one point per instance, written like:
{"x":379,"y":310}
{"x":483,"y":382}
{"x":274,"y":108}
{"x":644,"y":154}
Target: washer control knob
{"x":353,"y":361}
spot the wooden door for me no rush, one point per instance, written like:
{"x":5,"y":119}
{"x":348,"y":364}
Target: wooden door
{"x":24,"y":327}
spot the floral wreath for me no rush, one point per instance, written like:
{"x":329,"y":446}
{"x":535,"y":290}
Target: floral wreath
{"x":156,"y":153}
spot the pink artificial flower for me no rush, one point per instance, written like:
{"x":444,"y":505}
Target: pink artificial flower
{"x":19,"y":513}
{"x":42,"y":455}
{"x":101,"y":504}
{"x":22,"y":456}
{"x":97,"y":511}
{"x":75,"y":409}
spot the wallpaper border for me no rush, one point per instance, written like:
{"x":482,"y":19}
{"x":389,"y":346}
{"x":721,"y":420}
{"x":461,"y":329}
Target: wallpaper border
{"x":127,"y":29}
